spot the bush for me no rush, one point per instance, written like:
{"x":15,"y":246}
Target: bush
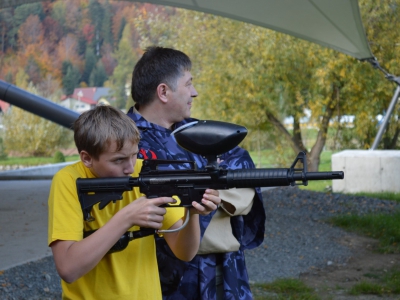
{"x":3,"y":154}
{"x":59,"y":157}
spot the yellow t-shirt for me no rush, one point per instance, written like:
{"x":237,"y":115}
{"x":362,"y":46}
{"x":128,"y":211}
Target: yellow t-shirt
{"x":129,"y":274}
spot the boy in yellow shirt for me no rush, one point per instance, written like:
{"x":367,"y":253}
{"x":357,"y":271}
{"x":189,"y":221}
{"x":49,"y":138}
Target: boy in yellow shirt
{"x":107,"y":142}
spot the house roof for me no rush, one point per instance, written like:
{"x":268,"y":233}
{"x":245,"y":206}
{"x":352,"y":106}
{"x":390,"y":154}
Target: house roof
{"x":4,"y":106}
{"x":84,"y":99}
{"x":93,"y":93}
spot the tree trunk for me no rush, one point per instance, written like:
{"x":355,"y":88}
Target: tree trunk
{"x":296,"y":146}
{"x":315,"y":153}
{"x":313,"y":157}
{"x":390,"y":142}
{"x":3,"y":35}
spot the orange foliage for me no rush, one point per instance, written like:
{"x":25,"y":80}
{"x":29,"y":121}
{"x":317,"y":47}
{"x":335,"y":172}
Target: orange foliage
{"x":30,"y":32}
{"x":67,"y":50}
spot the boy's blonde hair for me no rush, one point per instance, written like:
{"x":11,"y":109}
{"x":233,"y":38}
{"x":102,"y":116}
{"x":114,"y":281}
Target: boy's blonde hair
{"x":95,"y":129}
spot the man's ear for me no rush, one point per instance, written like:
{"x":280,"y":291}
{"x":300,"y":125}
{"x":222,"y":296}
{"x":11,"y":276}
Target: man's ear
{"x":86,"y":158}
{"x":162,"y":90}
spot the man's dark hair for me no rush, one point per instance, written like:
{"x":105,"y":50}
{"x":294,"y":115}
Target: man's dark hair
{"x":157,"y":65}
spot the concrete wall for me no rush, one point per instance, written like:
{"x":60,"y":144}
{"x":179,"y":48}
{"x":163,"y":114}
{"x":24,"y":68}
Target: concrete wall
{"x":367,"y":171}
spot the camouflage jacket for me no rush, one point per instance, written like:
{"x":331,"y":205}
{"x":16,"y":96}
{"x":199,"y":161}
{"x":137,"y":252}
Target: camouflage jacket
{"x":196,"y":279}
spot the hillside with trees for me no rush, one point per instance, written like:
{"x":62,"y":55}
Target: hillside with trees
{"x":244,"y":74}
{"x":60,"y":45}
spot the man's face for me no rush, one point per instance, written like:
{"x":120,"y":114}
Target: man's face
{"x":112,"y":163}
{"x":180,"y":100}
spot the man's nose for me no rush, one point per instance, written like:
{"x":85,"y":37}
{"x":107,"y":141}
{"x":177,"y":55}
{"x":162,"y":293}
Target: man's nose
{"x":194,"y":93}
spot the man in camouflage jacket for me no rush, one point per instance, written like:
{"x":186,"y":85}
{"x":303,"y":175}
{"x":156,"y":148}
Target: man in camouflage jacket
{"x":196,"y":279}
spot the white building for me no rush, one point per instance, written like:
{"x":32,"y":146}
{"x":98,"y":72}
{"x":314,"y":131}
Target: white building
{"x":84,"y":99}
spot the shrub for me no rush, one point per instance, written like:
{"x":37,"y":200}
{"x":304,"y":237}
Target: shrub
{"x":3,"y":154}
{"x":59,"y":157}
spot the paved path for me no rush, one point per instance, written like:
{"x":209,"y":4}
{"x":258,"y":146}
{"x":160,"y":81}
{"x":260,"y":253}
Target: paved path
{"x":23,"y":221}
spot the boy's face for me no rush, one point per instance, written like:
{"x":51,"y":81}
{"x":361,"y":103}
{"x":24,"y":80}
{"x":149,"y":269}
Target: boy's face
{"x":112,"y":163}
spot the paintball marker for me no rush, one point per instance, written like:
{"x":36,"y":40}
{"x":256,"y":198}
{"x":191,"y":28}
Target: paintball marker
{"x":207,"y":138}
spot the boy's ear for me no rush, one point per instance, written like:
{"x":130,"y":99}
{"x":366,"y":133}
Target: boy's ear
{"x":86,"y":158}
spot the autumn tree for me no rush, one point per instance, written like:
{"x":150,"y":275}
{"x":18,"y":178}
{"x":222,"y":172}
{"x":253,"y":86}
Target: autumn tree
{"x":126,"y":59}
{"x":244,"y":73}
{"x":108,"y":60}
{"x":381,"y":19}
{"x":58,"y":13}
{"x":67,"y":50}
{"x":52,"y":31}
{"x":256,"y":77}
{"x":21,"y":13}
{"x":30,"y":32}
{"x":31,"y":135}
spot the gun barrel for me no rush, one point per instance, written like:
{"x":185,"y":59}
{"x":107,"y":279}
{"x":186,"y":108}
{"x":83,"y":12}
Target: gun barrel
{"x":37,"y":105}
{"x":324,"y":175}
{"x":245,"y":178}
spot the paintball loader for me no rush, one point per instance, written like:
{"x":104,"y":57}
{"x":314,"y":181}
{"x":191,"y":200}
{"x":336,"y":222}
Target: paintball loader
{"x":207,"y":138}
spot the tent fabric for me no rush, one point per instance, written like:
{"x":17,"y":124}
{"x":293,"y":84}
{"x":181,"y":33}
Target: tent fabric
{"x":335,"y":24}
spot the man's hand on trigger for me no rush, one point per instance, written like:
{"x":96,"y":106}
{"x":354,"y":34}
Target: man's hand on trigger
{"x":210,"y":202}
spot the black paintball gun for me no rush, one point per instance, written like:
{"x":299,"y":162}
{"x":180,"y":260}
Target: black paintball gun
{"x":209,"y":139}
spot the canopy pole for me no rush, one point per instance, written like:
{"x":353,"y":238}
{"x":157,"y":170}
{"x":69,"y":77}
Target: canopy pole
{"x":392,"y":104}
{"x":385,"y":121}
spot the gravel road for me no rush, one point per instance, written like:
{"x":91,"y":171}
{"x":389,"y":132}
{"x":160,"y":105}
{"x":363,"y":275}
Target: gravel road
{"x":296,"y":239}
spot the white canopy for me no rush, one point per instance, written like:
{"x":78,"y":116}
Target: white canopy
{"x":334,"y":24}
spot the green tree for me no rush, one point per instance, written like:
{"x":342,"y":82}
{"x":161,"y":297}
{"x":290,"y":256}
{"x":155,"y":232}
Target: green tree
{"x":21,"y":13}
{"x":257,"y":77}
{"x":244,"y":73}
{"x":106,"y":25}
{"x":90,"y":63}
{"x":98,"y":75}
{"x":70,"y":80}
{"x":3,"y":153}
{"x":58,"y":13}
{"x":97,"y":13}
{"x":6,"y":21}
{"x":126,"y":59}
{"x":381,"y":19}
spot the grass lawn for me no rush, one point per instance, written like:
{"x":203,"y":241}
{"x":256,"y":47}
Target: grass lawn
{"x":33,"y":161}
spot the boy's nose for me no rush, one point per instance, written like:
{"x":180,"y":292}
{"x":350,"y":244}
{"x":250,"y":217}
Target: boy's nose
{"x":129,"y":168}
